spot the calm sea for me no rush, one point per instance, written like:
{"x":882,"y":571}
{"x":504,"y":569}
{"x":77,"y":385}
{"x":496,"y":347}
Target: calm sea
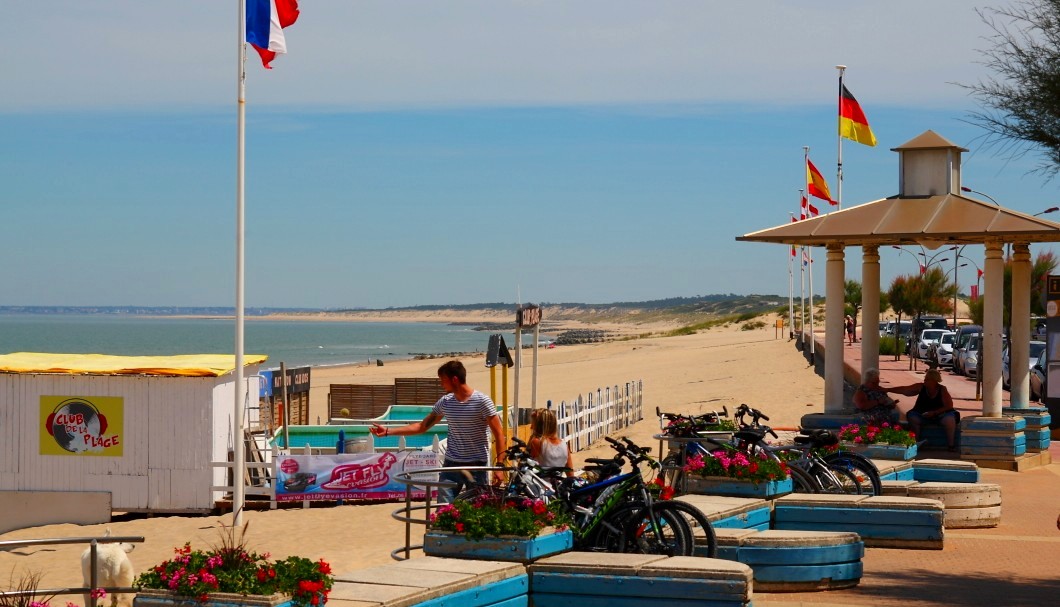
{"x":296,"y":343}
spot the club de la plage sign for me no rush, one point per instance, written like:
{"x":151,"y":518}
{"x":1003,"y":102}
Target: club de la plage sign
{"x":81,"y":425}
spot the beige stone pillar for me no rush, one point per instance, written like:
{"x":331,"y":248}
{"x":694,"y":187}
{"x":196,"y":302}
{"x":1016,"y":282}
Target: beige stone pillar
{"x":990,"y":350}
{"x":1020,"y":331}
{"x":870,"y":308}
{"x":835,"y":281}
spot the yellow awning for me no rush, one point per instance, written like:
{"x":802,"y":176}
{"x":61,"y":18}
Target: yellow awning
{"x":187,"y":365}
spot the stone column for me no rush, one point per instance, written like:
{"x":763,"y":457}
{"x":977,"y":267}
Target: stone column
{"x":870,"y":308}
{"x":990,"y":350}
{"x":835,"y":281}
{"x":1020,"y":331}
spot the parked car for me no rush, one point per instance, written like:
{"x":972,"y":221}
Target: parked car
{"x":1039,"y":330}
{"x":929,"y":322}
{"x":964,"y":333}
{"x":904,"y":328}
{"x":883,"y":327}
{"x":968,"y":356}
{"x":1034,"y":352}
{"x":926,"y":341}
{"x":1039,"y":375}
{"x":943,"y":350}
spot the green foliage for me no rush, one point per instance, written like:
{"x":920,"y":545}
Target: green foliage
{"x":1020,"y":101}
{"x":746,"y":316}
{"x":486,"y":517}
{"x":231,"y":568}
{"x":887,"y":345}
{"x":1041,"y":267}
{"x":751,"y":326}
{"x":701,"y":326}
{"x":871,"y":434}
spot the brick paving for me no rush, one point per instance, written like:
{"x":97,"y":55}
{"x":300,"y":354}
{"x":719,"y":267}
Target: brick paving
{"x":1013,"y":564}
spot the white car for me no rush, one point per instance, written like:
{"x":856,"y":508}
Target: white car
{"x":1033,"y":351}
{"x":927,"y":340}
{"x":944,"y":349}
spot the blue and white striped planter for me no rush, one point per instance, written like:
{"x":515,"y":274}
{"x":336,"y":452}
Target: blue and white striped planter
{"x":878,"y":451}
{"x":723,"y":485}
{"x":510,"y":549}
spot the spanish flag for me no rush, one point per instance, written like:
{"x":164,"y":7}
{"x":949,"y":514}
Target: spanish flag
{"x":852,"y":122}
{"x":816,"y":186}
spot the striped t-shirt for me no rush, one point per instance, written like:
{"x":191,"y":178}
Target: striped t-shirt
{"x":468,"y":428}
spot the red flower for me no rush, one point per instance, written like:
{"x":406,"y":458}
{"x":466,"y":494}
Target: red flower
{"x":460,"y":527}
{"x":323,"y":567}
{"x":667,"y":493}
{"x":540,"y":507}
{"x":261,"y":575}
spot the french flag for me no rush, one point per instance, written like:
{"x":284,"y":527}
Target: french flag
{"x":265,"y":22}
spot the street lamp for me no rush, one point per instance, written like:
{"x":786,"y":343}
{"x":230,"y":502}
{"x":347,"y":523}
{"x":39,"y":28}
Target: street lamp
{"x":1008,"y":246}
{"x":910,"y":253}
{"x":1049,"y":210}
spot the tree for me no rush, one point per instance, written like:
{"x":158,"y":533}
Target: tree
{"x":1021,"y":102}
{"x":1041,"y":267}
{"x":898,"y":294}
{"x":927,"y":293}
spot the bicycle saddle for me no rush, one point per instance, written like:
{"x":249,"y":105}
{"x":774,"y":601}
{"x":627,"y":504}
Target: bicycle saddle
{"x":600,"y":461}
{"x":817,"y":438}
{"x":751,"y":435}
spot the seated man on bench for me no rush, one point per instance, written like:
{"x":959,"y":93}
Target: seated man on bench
{"x":933,"y":405}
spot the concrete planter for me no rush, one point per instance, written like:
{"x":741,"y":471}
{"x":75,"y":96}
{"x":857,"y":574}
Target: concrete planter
{"x":723,"y":485}
{"x":511,"y":549}
{"x":166,"y":598}
{"x":878,"y":451}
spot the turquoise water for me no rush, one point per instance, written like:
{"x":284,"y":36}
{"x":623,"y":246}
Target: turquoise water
{"x":296,"y":343}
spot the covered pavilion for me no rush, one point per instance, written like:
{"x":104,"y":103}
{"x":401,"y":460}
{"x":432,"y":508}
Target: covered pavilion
{"x":929,"y":210}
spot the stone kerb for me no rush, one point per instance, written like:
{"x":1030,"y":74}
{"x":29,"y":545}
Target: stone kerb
{"x":881,"y":521}
{"x":795,"y":561}
{"x":431,"y":582}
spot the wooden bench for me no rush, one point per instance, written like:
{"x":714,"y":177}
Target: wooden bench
{"x":794,"y":561}
{"x":945,"y":470}
{"x":433,"y":582}
{"x":881,"y":521}
{"x":590,"y":579}
{"x":732,"y":512}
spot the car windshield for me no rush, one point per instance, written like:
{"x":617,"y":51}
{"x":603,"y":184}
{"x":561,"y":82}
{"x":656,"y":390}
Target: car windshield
{"x":931,"y":334}
{"x":1036,"y":349}
{"x":947,"y":338}
{"x":973,"y":343}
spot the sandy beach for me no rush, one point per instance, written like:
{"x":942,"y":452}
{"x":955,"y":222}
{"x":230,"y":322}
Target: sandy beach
{"x":700,"y":372}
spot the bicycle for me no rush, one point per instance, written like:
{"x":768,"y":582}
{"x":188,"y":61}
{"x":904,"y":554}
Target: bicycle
{"x":834,"y":472}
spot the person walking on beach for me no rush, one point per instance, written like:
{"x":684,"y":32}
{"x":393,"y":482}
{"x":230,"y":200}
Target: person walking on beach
{"x":472,"y":417}
{"x":849,"y":322}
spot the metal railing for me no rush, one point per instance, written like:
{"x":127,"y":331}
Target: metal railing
{"x":89,"y":592}
{"x":404,"y":513}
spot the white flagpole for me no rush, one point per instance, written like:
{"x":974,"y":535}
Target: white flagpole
{"x":791,"y":289}
{"x":839,"y":163}
{"x":809,"y":253}
{"x":239,"y":456}
{"x":802,"y":284}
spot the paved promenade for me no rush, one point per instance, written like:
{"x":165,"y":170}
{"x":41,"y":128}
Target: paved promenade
{"x":1016,"y":563}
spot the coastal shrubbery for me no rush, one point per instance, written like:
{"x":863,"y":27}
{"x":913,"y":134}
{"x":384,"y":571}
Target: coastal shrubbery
{"x":887,"y":345}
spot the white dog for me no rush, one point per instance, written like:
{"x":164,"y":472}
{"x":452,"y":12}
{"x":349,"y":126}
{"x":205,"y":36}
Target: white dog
{"x":113,"y":568}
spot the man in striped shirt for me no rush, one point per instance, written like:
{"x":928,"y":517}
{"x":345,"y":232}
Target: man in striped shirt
{"x":472,"y":417}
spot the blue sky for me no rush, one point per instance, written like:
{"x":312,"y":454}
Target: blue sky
{"x":457,"y":151}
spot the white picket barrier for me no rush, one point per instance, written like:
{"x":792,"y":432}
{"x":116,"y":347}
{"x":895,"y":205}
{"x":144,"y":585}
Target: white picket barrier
{"x":590,"y":417}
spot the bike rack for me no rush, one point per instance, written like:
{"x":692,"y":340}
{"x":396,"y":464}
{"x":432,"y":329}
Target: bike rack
{"x":404,"y":514}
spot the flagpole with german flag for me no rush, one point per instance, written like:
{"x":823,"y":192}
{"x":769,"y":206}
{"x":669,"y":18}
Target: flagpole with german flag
{"x":852,"y":125}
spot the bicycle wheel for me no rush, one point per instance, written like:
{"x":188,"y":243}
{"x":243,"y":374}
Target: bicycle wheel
{"x":703,"y":537}
{"x":866,"y":473}
{"x":848,"y":481}
{"x":671,"y":536}
{"x":802,"y":481}
{"x":492,"y":493}
{"x":835,"y":479}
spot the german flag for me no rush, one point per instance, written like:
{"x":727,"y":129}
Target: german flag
{"x":852,"y":122}
{"x":816,"y":186}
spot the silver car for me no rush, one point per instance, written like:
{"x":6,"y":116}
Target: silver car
{"x":969,"y":356}
{"x":1035,"y":351}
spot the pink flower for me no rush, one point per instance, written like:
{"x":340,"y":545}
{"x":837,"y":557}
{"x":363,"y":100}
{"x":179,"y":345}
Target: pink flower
{"x":98,"y":593}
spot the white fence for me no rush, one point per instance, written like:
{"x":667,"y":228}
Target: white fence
{"x":590,"y":417}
